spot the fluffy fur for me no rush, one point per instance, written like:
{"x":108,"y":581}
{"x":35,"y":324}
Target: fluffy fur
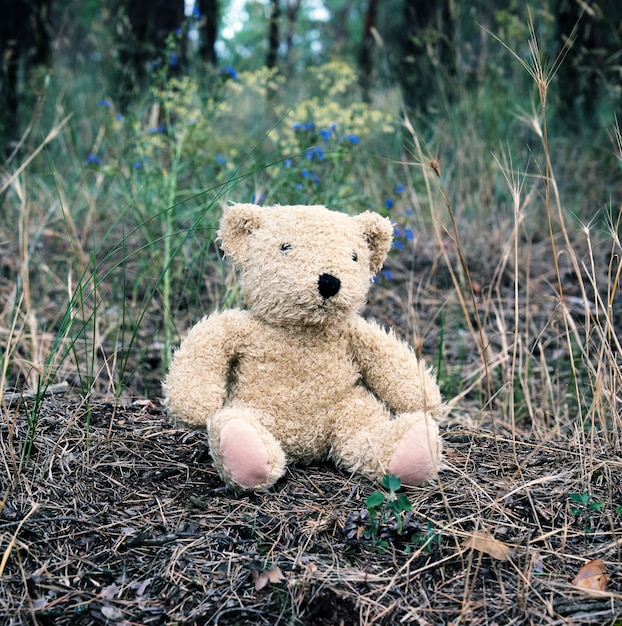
{"x":300,"y":376}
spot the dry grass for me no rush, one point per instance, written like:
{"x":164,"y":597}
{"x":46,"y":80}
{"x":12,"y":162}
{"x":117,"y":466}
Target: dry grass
{"x":111,"y":514}
{"x":127,"y":523}
{"x":119,"y":518}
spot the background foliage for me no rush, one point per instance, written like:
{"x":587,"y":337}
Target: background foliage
{"x":486,"y":131}
{"x":117,"y":166}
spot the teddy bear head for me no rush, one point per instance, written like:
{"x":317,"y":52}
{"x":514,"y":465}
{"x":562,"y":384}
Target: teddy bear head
{"x":304,"y":265}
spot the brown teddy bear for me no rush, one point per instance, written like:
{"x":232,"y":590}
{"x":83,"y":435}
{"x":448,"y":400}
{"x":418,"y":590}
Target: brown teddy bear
{"x":300,"y":376}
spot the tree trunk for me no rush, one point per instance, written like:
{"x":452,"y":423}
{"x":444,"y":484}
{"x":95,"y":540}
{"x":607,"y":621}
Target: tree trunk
{"x":366,"y":61}
{"x":591,"y":67}
{"x":427,"y":50}
{"x":143,"y":27}
{"x":340,"y":21}
{"x":208,"y":29}
{"x":291,"y":9}
{"x":273,"y":34}
{"x":24,"y":41}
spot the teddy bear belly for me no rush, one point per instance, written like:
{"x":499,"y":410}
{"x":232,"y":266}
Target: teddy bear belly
{"x":299,"y":408}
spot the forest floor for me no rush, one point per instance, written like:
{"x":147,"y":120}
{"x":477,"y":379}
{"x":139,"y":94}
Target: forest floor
{"x":119,"y":518}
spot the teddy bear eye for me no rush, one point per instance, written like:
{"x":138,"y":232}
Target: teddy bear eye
{"x":285,"y":247}
{"x":355,"y":257}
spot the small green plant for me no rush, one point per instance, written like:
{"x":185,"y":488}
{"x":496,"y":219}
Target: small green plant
{"x":387,"y":507}
{"x":430,"y":539}
{"x":388,"y":519}
{"x":585,"y":506}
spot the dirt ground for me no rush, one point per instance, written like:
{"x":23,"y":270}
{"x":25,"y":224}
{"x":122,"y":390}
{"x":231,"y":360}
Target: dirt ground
{"x":118,"y":518}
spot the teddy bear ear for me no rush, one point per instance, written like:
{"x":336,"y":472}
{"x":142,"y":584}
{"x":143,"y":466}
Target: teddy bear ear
{"x":378,"y":232}
{"x":237,"y":222}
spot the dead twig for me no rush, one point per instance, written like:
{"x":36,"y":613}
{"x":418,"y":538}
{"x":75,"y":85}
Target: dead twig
{"x":14,"y":397}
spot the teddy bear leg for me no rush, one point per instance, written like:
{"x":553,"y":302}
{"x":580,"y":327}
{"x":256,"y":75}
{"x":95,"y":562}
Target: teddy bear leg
{"x":417,"y":454}
{"x":245,"y":453}
{"x":375,"y":444}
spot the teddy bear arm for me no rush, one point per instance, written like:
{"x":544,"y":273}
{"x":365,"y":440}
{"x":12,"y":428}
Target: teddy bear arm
{"x":196,"y":385}
{"x":392,"y":371}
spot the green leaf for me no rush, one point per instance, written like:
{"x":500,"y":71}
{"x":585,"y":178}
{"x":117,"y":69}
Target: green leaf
{"x":579,"y":498}
{"x":596,"y":506}
{"x":374,"y":499}
{"x":619,"y":509}
{"x":392,"y":483}
{"x":403,"y":503}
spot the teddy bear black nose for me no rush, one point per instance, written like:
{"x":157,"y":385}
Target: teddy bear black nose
{"x":328,"y":285}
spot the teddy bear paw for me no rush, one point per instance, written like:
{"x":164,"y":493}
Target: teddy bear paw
{"x":416,"y":456}
{"x":244,"y":454}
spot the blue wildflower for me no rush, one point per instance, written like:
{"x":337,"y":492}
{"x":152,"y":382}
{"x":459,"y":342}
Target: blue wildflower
{"x":220,"y":160}
{"x":305,"y":173}
{"x":399,"y":188}
{"x":315,"y":153}
{"x":397,"y":244}
{"x":119,"y":117}
{"x":228,"y":72}
{"x":389,"y":202}
{"x":409,"y":234}
{"x":326,"y":134}
{"x":196,"y":14}
{"x":309,"y":126}
{"x":288,"y":163}
{"x":409,"y":212}
{"x":173,"y":60}
{"x":105,"y":103}
{"x":297,"y":126}
{"x":387,"y":274}
{"x":353,"y":139}
{"x":93,"y":159}
{"x":138,"y":165}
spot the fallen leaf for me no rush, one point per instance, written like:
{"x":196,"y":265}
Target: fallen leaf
{"x":486,"y":543}
{"x":111,"y":613}
{"x":310,"y":568}
{"x":261,"y":579}
{"x":141,"y":587}
{"x":275,"y":575}
{"x":109,"y":591}
{"x":592,"y":576}
{"x":145,"y":404}
{"x":39,"y":603}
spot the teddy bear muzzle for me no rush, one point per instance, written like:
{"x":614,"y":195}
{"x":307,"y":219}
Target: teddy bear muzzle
{"x":328,"y":285}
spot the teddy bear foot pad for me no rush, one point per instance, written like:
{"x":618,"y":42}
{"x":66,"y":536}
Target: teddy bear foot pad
{"x":416,"y":457}
{"x":244,"y":454}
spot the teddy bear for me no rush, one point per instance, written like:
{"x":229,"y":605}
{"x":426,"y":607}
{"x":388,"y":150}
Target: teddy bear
{"x":299,"y":375}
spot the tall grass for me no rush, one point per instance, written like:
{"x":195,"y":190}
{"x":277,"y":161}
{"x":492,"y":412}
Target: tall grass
{"x":549,"y":352}
{"x":110,"y":256}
